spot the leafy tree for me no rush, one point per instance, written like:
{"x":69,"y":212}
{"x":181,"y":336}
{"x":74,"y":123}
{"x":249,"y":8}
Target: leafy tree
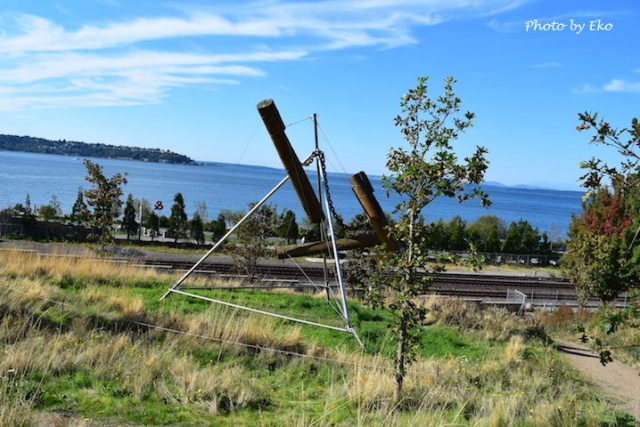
{"x":521,"y":238}
{"x":26,"y":212}
{"x":50,"y":211}
{"x":79,"y":211}
{"x":218,"y":227}
{"x":359,"y":225}
{"x":252,"y":235}
{"x":178,"y":218}
{"x":598,"y":173}
{"x":437,"y":236}
{"x":603,"y":254}
{"x":201,"y":211}
{"x":287,"y":226}
{"x":597,"y":259}
{"x":163,"y":221}
{"x":196,"y":229}
{"x":104,"y":198}
{"x":309,"y":232}
{"x":487,"y":232}
{"x":152,"y":223}
{"x":232,"y":217}
{"x":129,"y":223}
{"x":47,"y":212}
{"x":428,"y":169}
{"x":456,"y":231}
{"x":54,"y":203}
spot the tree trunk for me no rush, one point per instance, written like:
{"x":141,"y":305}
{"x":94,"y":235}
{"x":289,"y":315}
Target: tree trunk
{"x":400,"y":360}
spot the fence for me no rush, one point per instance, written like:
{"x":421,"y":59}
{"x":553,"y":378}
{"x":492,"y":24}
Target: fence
{"x":516,"y":297}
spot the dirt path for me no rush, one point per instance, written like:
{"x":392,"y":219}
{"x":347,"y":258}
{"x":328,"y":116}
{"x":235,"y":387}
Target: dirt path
{"x":617,"y":380}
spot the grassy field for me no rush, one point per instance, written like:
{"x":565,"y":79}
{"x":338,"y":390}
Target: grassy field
{"x":89,"y":343}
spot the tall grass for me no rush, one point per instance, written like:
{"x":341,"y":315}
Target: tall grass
{"x":91,"y":340}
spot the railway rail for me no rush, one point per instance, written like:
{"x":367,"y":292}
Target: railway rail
{"x":540,"y":290}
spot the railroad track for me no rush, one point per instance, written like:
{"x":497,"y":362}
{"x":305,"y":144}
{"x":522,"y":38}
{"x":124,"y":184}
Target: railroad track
{"x":539,"y":290}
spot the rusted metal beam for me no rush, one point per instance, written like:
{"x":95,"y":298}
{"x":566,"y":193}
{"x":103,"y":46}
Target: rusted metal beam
{"x":363,"y":190}
{"x":275,"y":126}
{"x":317,"y":248}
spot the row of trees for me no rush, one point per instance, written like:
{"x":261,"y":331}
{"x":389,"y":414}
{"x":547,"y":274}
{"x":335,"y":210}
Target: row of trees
{"x":488,"y":233}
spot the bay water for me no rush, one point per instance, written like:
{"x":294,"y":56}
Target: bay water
{"x":233,"y":186}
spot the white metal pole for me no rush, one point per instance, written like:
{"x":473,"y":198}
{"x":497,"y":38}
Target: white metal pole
{"x":229,"y":233}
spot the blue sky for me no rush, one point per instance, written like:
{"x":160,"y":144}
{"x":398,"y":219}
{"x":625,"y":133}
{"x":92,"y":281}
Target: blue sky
{"x":187,"y":75}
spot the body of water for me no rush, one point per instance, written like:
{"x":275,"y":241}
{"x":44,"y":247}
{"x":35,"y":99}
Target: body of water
{"x":226,"y":186}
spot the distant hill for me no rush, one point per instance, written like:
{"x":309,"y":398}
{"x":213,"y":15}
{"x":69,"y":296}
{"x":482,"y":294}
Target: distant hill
{"x":82,"y":149}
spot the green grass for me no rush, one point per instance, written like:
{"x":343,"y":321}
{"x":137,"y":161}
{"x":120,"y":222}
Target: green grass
{"x":103,"y":348}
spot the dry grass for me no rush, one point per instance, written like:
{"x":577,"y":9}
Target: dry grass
{"x":522,"y":383}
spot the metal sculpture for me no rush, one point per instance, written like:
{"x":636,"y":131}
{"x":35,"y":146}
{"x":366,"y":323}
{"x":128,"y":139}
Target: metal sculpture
{"x":312,"y":205}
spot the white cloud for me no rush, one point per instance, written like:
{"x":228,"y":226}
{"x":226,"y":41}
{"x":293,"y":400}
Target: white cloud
{"x":137,"y":60}
{"x":618,"y":85}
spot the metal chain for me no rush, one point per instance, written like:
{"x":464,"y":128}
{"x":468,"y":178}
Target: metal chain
{"x":323,"y":165}
{"x":309,"y":160}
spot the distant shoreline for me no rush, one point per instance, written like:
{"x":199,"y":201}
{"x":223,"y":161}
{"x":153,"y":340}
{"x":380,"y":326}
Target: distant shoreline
{"x":28,"y":144}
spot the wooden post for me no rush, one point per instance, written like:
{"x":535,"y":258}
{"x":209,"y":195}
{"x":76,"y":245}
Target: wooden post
{"x":275,"y":126}
{"x":317,"y":248}
{"x":363,"y":190}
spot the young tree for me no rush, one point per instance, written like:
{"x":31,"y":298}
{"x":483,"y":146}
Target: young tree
{"x":287,"y":227}
{"x":196,"y":229}
{"x":201,"y":211}
{"x":28,"y":216}
{"x":79,"y":211}
{"x":427,"y":169}
{"x":218,"y":227}
{"x":129,"y":223}
{"x":252,"y":237}
{"x":50,"y":211}
{"x":152,"y":223}
{"x":104,"y":198}
{"x":178,"y":218}
{"x":55,"y":204}
{"x":47,"y":212}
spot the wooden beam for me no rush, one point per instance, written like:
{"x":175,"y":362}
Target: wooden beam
{"x":317,"y":248}
{"x":275,"y":126}
{"x":363,"y":190}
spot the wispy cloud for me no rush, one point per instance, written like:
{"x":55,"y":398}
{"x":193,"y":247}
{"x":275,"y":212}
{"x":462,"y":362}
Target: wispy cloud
{"x":615,"y":85}
{"x":618,"y":85}
{"x":552,"y":64}
{"x":137,"y":60}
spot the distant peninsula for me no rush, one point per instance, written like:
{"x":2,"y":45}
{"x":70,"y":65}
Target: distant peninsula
{"x":63,"y":147}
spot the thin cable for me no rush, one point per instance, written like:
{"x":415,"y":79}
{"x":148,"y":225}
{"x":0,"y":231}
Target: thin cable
{"x":246,"y":147}
{"x":333,"y":151}
{"x":299,"y":121}
{"x":255,"y":310}
{"x":229,"y":342}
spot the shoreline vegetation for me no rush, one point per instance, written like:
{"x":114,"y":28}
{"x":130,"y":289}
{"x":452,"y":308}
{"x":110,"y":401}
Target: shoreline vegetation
{"x":28,"y":144}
